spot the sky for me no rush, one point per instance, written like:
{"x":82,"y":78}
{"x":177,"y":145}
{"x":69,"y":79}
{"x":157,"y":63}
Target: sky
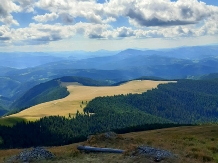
{"x":91,"y":25}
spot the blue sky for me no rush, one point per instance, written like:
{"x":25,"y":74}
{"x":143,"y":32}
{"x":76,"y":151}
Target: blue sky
{"x":90,"y":25}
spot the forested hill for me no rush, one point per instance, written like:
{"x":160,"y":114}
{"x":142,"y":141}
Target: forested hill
{"x":187,"y":101}
{"x":49,"y":91}
{"x":2,"y":110}
{"x":84,"y":81}
{"x":53,"y":131}
{"x":153,"y":78}
{"x":172,"y":104}
{"x":209,"y":76}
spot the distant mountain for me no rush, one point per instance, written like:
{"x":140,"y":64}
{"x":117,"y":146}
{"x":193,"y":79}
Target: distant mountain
{"x":2,"y":111}
{"x":208,"y":76}
{"x":24,"y":60}
{"x":184,"y":62}
{"x":130,"y":58}
{"x":4,"y":70}
{"x":5,"y":102}
{"x":7,"y":86}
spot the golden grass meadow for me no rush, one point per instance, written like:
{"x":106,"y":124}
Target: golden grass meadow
{"x":80,"y":95}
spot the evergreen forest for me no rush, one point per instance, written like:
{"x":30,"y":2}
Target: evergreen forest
{"x":186,"y":102}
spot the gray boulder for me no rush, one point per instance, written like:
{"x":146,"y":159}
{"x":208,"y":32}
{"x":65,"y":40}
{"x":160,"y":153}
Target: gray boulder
{"x":26,"y":156}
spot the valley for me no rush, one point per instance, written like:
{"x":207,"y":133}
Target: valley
{"x":80,"y":95}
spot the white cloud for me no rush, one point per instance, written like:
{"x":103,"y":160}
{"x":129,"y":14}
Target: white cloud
{"x":147,"y":19}
{"x":4,"y":34}
{"x":44,"y":33}
{"x":160,"y":12}
{"x":88,"y":9}
{"x":45,"y":18}
{"x":26,"y":5}
{"x":6,"y":7}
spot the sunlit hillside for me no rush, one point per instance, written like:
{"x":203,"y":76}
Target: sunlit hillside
{"x":80,"y":95}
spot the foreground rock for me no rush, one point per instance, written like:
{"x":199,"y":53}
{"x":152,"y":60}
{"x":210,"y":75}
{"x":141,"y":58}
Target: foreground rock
{"x":35,"y":154}
{"x":153,"y":153}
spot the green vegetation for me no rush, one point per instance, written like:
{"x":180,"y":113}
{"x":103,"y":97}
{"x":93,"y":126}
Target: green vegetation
{"x":84,"y":81}
{"x":2,"y":111}
{"x":50,"y":131}
{"x":48,"y":91}
{"x":10,"y":121}
{"x":44,"y":92}
{"x":187,"y":101}
{"x":172,"y":104}
{"x":8,"y":85}
{"x":4,"y":103}
{"x":209,"y":76}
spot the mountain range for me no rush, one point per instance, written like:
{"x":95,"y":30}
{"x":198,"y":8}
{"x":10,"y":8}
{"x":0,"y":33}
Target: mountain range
{"x":19,"y":72}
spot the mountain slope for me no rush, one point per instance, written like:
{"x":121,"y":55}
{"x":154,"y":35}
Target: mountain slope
{"x":2,"y":111}
{"x":49,"y":91}
{"x":184,"y":62}
{"x":187,"y":101}
{"x":80,"y":95}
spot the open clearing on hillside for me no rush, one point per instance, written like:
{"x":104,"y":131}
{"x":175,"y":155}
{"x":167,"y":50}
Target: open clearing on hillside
{"x":192,"y":144}
{"x":80,"y":95}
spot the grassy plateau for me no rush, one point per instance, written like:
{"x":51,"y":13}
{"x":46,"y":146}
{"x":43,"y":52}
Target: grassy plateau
{"x":80,"y":95}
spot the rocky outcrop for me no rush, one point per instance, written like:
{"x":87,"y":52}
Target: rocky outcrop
{"x":26,"y":156}
{"x":153,"y":153}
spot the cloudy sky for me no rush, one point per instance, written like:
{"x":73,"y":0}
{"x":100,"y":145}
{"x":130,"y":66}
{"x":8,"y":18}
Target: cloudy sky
{"x":90,"y":25}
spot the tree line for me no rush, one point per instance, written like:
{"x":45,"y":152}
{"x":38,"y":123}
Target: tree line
{"x":172,"y":104}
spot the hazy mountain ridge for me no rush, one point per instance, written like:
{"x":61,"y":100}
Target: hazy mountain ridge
{"x":184,"y":62}
{"x":22,"y":60}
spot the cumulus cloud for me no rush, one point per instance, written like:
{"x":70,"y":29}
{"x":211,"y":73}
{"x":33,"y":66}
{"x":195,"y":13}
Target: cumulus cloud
{"x":6,"y":7}
{"x":45,"y":18}
{"x":43,"y":33}
{"x":161,"y":12}
{"x":147,"y":19}
{"x":68,"y":9}
{"x":5,"y":34}
{"x":66,"y":18}
{"x":26,"y":5}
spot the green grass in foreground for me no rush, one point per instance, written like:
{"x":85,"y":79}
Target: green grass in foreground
{"x":10,"y":121}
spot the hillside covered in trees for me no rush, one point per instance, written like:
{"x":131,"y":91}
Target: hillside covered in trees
{"x":187,"y":101}
{"x":173,"y":104}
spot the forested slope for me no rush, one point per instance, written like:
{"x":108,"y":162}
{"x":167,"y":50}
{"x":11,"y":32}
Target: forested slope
{"x":2,"y":111}
{"x":51,"y":90}
{"x":187,"y":101}
{"x":172,"y":104}
{"x":50,"y":131}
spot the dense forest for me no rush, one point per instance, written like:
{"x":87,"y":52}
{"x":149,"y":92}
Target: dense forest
{"x":173,"y":104}
{"x":187,"y":101}
{"x":51,"y":131}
